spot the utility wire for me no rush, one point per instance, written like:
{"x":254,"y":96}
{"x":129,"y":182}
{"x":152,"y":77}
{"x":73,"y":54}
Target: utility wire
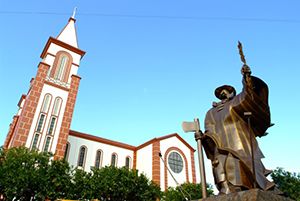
{"x":203,"y":18}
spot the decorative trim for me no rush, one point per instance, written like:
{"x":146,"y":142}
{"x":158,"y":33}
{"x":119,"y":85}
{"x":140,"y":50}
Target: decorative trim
{"x":62,"y":44}
{"x":75,"y":64}
{"x":21,"y":99}
{"x":101,"y":140}
{"x":57,"y":86}
{"x":165,"y":137}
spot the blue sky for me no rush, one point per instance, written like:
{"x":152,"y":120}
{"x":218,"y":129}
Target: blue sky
{"x":152,"y":64}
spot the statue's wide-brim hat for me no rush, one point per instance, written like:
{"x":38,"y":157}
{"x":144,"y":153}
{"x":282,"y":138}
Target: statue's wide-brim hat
{"x":229,"y":88}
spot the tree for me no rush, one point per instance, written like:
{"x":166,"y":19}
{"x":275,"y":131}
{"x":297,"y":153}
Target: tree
{"x":23,"y":173}
{"x":188,"y":191}
{"x":81,"y":187}
{"x":58,"y":180}
{"x":111,"y":183}
{"x":287,"y":182}
{"x":26,"y":175}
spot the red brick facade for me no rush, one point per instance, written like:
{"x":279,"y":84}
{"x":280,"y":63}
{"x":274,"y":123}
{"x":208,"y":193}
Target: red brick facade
{"x":156,"y":162}
{"x":11,"y":130}
{"x":193,"y":167}
{"x":134,"y":159}
{"x":21,"y":131}
{"x":67,"y":118}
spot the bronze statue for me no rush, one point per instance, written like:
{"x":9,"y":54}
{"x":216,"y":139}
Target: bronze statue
{"x":231,"y":128}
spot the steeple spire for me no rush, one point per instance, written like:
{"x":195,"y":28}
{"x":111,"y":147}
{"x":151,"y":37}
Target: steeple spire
{"x":68,"y":34}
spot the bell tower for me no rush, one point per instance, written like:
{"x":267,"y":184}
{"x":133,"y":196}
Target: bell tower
{"x":45,"y":112}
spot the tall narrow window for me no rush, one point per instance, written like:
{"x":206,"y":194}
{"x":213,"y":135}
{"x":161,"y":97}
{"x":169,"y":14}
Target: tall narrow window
{"x":51,"y":127}
{"x":114,"y":160}
{"x":46,"y":103}
{"x":67,"y":151}
{"x":47,"y":144}
{"x":127,"y":162}
{"x":56,"y":106}
{"x":35,"y":141}
{"x":40,"y":123}
{"x":81,"y":158}
{"x":98,"y":159}
{"x":61,"y":68}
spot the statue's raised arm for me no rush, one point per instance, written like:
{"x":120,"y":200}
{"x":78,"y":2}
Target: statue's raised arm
{"x":246,"y":71}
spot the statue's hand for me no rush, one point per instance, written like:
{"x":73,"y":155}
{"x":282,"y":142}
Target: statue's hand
{"x":246,"y":70}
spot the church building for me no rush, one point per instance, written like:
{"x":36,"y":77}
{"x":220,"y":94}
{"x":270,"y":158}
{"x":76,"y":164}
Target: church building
{"x":45,"y":113}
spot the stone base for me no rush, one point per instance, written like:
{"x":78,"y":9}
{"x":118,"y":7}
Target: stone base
{"x":250,"y":195}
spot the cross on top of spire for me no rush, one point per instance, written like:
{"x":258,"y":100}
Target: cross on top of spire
{"x":74,"y":12}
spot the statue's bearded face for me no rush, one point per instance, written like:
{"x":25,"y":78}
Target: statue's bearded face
{"x":226,"y":95}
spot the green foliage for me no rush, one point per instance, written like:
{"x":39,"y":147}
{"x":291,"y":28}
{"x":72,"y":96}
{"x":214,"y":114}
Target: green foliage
{"x":188,"y":190}
{"x":81,"y":185}
{"x":111,"y":183}
{"x":287,"y":182}
{"x":26,"y":175}
{"x":23,"y":173}
{"x":58,"y":179}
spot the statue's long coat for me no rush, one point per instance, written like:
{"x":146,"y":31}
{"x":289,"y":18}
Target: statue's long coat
{"x":227,"y":128}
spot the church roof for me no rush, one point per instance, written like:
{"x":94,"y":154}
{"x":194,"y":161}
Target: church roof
{"x":68,"y":34}
{"x":124,"y":145}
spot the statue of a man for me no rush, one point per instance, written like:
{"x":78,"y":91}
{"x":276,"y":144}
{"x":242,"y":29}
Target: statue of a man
{"x":230,"y":136}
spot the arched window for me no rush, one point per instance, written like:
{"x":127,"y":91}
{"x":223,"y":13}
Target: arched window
{"x":66,"y":155}
{"x":46,"y":103}
{"x":43,"y":114}
{"x":98,"y":159}
{"x":113,"y":160}
{"x":81,"y":157}
{"x":127,"y":162}
{"x":54,"y":116}
{"x":61,"y":68}
{"x":56,"y":107}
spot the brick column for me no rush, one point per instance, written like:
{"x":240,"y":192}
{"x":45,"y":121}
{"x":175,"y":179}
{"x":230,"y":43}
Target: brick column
{"x":24,"y":123}
{"x":156,"y":162}
{"x":134,"y":159}
{"x":11,"y":130}
{"x":67,"y":118}
{"x":193,"y":166}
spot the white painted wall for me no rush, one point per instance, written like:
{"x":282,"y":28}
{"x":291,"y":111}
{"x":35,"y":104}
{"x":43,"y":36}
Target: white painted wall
{"x":92,"y":147}
{"x":144,"y":161}
{"x":53,"y":49}
{"x":55,"y":92}
{"x":180,"y":177}
{"x":68,"y":34}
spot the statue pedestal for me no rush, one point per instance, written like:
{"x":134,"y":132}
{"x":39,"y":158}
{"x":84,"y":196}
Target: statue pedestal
{"x":250,"y":195}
